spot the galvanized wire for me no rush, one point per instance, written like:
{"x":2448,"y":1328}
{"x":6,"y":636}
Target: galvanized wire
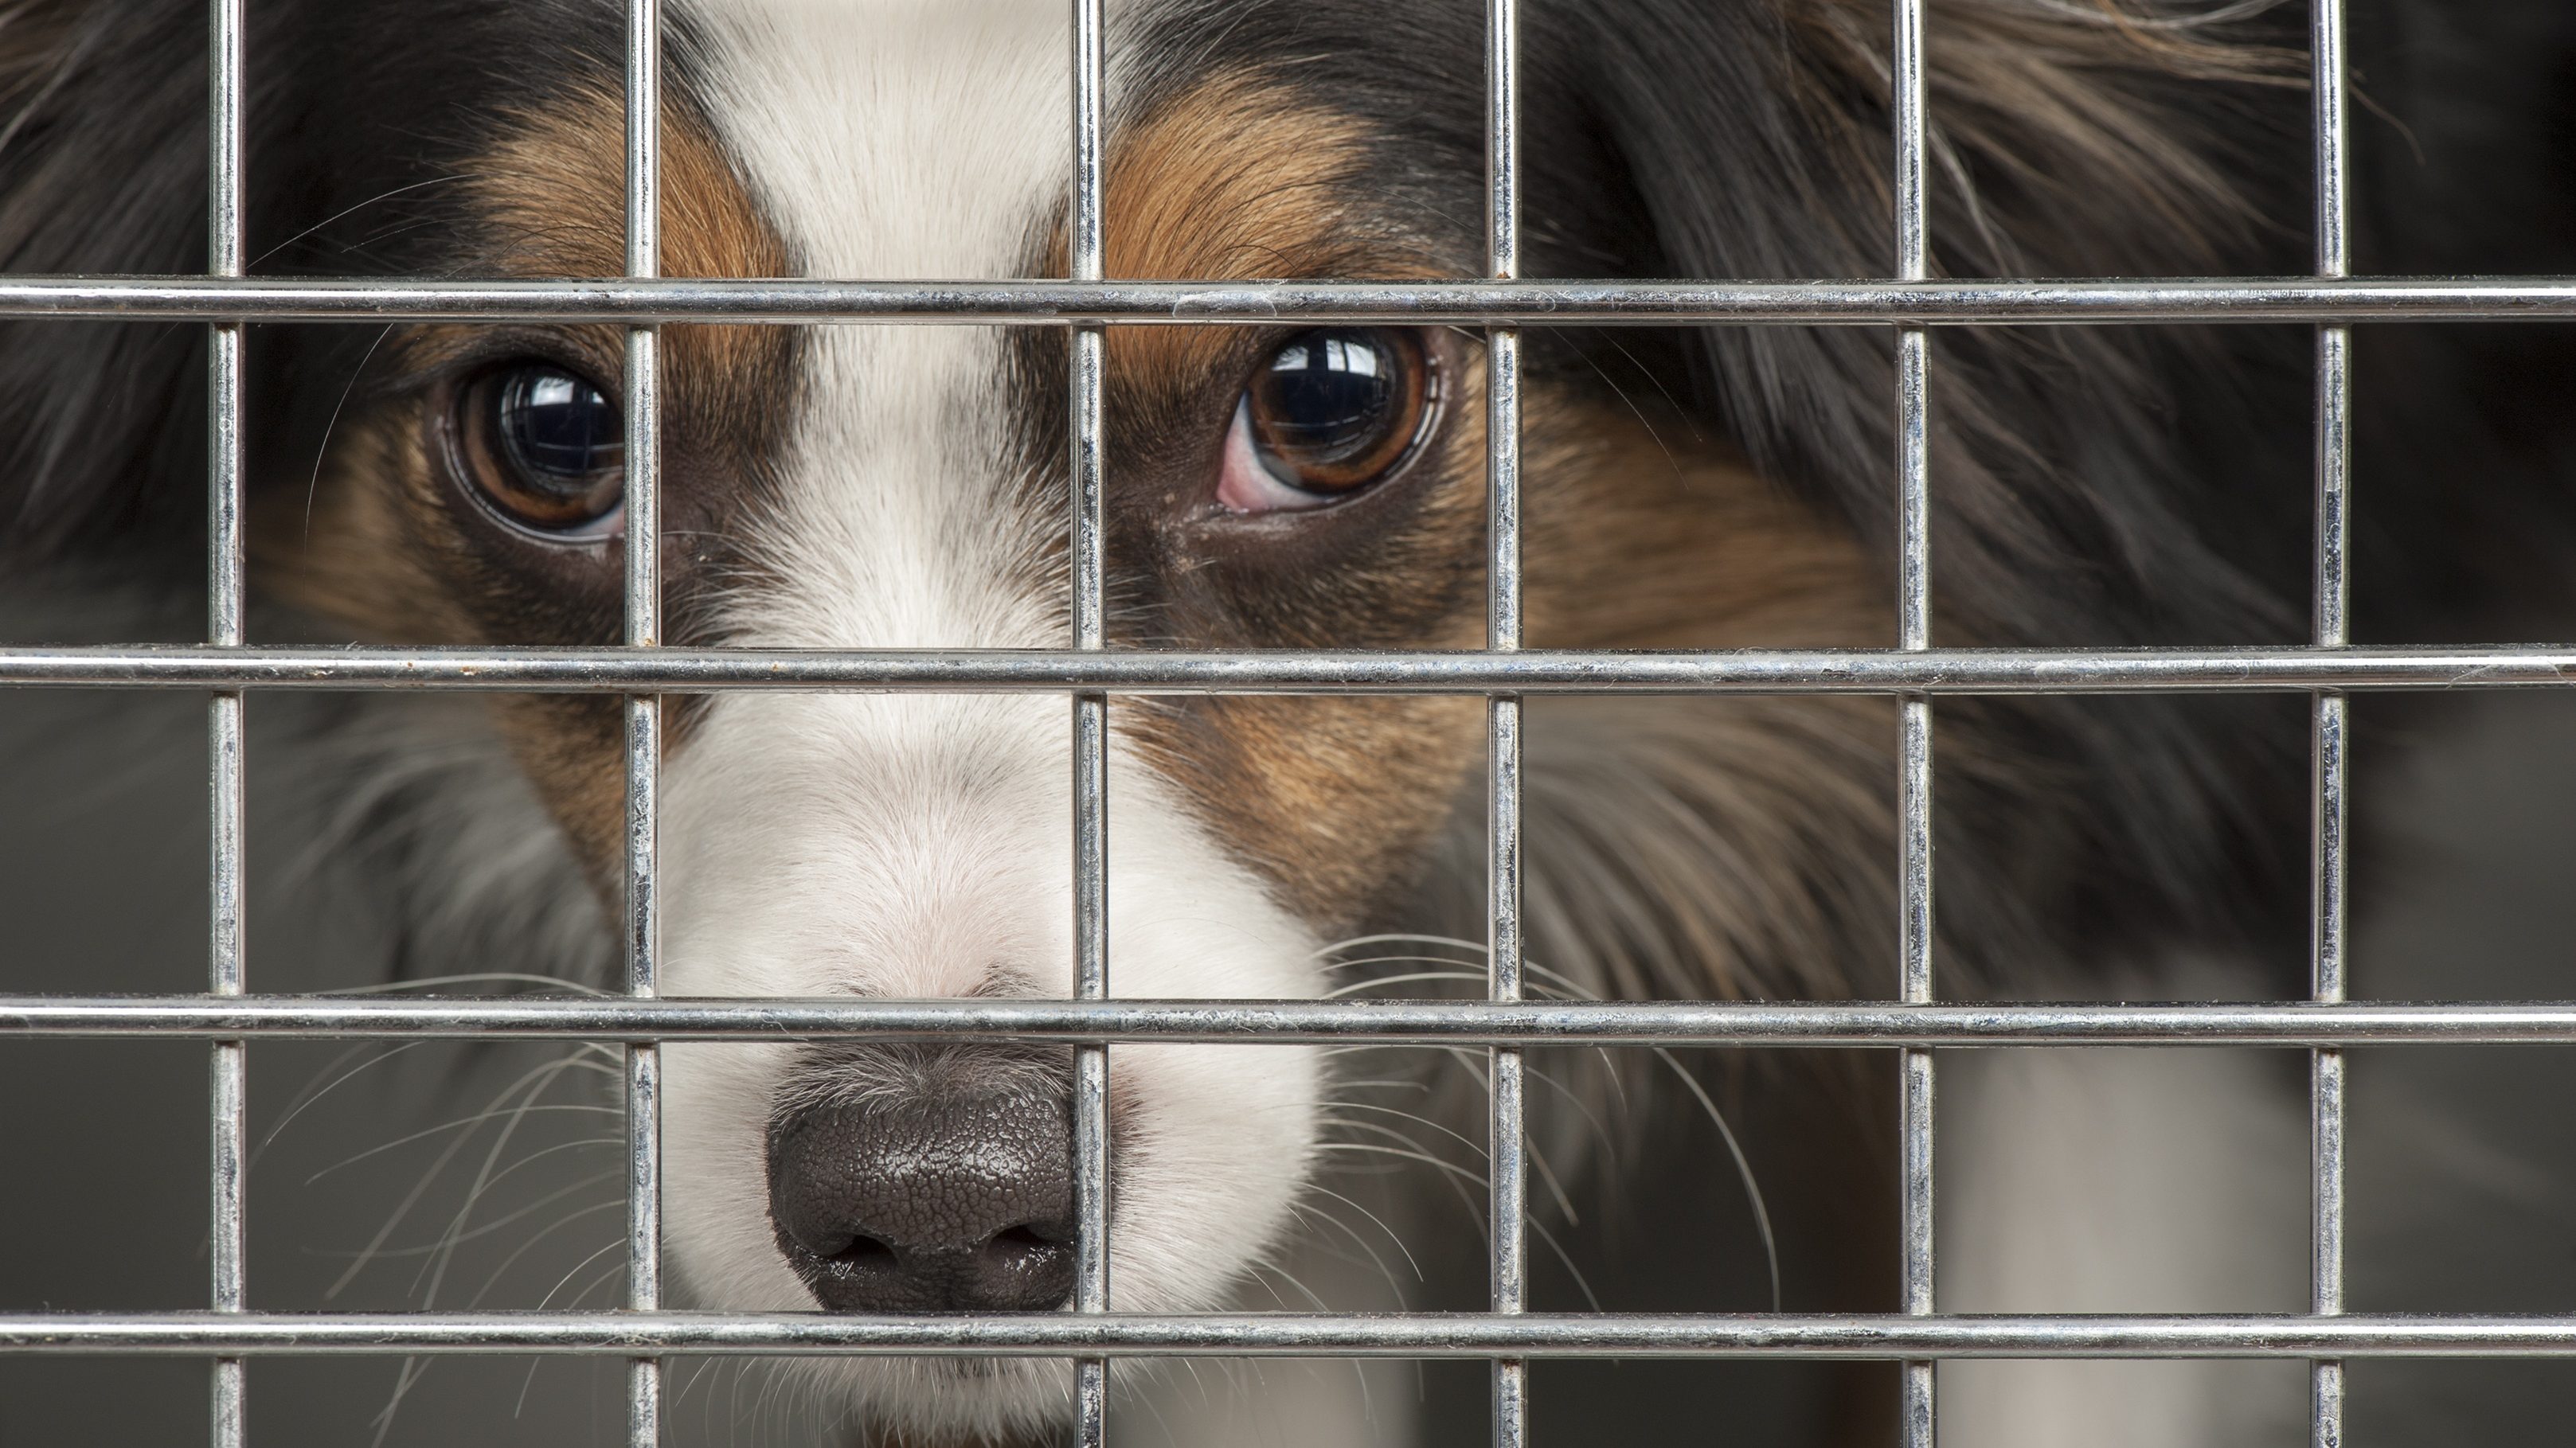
{"x":2331,"y":710}
{"x":1908,"y":110}
{"x":1837,"y":1025}
{"x":1532,"y":671}
{"x":1092,"y":1185}
{"x":1862,"y":1336}
{"x":1507,"y":1181}
{"x":1508,"y":1336}
{"x":643,"y":505}
{"x":1952,"y":302}
{"x":226,"y":595}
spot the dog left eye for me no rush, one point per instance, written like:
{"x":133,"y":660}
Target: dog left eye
{"x":1326,"y":416}
{"x":545,"y":448}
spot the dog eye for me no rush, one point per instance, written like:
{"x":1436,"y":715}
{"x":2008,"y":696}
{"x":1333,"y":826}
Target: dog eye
{"x":545,"y":448}
{"x":1325,"y":416}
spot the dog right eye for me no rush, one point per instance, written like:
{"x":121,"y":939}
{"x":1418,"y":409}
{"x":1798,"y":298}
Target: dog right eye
{"x":545,"y":448}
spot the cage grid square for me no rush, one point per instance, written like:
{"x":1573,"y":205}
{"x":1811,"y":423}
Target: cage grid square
{"x":1913,"y":1024}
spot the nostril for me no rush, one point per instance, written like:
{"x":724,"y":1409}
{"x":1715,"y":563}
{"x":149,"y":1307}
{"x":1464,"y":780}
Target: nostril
{"x":1027,"y":1248}
{"x":860,"y":1251}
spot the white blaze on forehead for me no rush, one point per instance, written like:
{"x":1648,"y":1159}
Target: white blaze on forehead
{"x":920,"y":845}
{"x":899,"y":139}
{"x":896,"y":138}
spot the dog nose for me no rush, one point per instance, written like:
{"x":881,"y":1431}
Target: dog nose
{"x":928,"y":1205}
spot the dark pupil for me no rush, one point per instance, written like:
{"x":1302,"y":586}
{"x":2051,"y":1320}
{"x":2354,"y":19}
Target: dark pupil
{"x":558,"y":426}
{"x":1326,"y":399}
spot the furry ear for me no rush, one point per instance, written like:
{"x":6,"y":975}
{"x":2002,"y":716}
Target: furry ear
{"x":2091,"y":486}
{"x":102,"y":170}
{"x":2070,"y":140}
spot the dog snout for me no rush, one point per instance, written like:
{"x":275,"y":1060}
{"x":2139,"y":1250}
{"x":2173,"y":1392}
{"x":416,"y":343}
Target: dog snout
{"x":928,"y":1203}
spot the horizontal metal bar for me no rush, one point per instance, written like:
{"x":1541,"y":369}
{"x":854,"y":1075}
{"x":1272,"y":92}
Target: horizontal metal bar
{"x":1384,"y":1022}
{"x":1423,"y":1335}
{"x":1538,"y":671}
{"x":1488,"y":303}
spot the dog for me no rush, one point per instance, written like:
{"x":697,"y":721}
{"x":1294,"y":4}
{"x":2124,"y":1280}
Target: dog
{"x":1296,"y":486}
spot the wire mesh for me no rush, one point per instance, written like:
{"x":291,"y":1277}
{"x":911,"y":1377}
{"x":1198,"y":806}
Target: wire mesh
{"x":1507,"y":1212}
{"x":2331,"y":714}
{"x":1091,"y":1179}
{"x":228,"y":1086}
{"x":1506,"y":1335}
{"x":1908,"y":120}
{"x":644,"y":710}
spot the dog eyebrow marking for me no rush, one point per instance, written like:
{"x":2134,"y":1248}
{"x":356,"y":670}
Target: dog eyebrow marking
{"x":551,"y":195}
{"x":1238,"y":178}
{"x":1235,"y":178}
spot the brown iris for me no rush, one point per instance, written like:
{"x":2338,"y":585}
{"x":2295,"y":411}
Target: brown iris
{"x":1334,"y":410}
{"x":544,"y":447}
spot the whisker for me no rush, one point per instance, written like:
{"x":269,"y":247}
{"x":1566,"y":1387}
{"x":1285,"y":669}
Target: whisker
{"x":480,"y":977}
{"x":577,"y":1269}
{"x":524,"y":1248}
{"x":1743,"y":1169}
{"x":497,"y":1223}
{"x":381,"y":197}
{"x":539,"y":1076}
{"x":309,"y":1094}
{"x":492,"y":1114}
{"x":1376,"y":982}
{"x":412,"y":1371}
{"x":1452,"y":1133}
{"x":1564,"y":1259}
{"x":435,"y":1269}
{"x":1378,"y":1222}
{"x":322,"y":454}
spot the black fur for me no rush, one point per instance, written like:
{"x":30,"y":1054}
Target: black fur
{"x":356,"y":115}
{"x":2092,"y":486}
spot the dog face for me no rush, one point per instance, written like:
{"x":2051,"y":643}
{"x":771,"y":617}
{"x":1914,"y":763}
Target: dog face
{"x":860,"y":487}
{"x":867,"y":488}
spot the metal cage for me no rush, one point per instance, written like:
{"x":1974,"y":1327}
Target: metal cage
{"x":1507,"y":1336}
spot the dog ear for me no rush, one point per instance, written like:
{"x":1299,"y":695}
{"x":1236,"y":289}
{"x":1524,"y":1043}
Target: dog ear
{"x":2091,"y":486}
{"x":1753,"y":140}
{"x":102,"y":171}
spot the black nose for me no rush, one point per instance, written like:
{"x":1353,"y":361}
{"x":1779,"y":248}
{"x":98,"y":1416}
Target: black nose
{"x":928,"y":1205}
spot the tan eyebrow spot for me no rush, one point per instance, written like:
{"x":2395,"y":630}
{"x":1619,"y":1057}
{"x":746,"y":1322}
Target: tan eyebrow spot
{"x":551,"y":197}
{"x":1236,"y":179}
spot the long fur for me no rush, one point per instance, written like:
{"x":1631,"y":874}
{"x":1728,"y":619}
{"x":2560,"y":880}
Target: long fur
{"x":2097,"y":487}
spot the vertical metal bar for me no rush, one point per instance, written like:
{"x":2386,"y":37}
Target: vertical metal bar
{"x":643,"y":712}
{"x":2334,"y":516}
{"x":1509,"y":1213}
{"x":225,"y":592}
{"x":1090,"y":736}
{"x":1909,"y":118}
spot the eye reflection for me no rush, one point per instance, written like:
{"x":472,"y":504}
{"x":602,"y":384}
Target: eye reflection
{"x":1325,"y":416}
{"x":545,"y":448}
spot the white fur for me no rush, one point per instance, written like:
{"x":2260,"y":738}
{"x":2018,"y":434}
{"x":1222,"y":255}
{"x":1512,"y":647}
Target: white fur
{"x":921,"y":846}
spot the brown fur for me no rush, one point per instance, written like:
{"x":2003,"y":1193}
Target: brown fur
{"x":385,"y":543}
{"x":1635,"y":540}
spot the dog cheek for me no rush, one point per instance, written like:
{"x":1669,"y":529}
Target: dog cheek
{"x":1215,"y":1145}
{"x":1335,"y":804}
{"x":716,"y":1103}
